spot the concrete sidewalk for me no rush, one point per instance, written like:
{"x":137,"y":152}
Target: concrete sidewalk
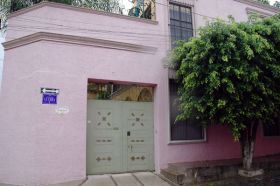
{"x":127,"y":179}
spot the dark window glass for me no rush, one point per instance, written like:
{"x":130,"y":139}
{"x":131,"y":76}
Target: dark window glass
{"x":181,"y":27}
{"x":272,"y":129}
{"x":182,"y":130}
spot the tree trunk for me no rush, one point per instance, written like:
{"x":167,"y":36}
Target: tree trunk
{"x":247,"y":142}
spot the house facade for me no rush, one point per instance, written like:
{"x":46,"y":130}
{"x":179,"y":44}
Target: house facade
{"x":90,"y":92}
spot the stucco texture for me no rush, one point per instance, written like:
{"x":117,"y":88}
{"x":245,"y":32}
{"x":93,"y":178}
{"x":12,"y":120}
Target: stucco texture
{"x":39,"y":146}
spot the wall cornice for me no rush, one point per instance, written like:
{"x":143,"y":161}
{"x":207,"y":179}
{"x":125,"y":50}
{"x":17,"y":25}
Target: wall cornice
{"x":77,"y":40}
{"x":264,"y":14}
{"x":183,"y":2}
{"x":259,"y":5}
{"x":79,"y":9}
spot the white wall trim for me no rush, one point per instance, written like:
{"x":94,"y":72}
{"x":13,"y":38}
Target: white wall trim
{"x":78,"y":40}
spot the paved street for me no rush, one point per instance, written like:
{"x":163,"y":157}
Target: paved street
{"x":127,"y":179}
{"x":266,"y":180}
{"x":261,"y":181}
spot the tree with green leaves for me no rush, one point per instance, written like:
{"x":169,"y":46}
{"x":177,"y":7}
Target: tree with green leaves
{"x":276,"y":4}
{"x":5,"y":8}
{"x":230,"y":75}
{"x":103,"y":5}
{"x":9,"y":6}
{"x":266,"y":2}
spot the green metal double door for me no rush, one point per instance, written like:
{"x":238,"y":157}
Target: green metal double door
{"x":120,"y":136}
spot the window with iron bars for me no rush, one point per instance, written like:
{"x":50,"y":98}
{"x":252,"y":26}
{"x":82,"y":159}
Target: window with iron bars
{"x":181,"y":23}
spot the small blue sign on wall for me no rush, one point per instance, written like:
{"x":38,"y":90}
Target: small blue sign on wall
{"x":49,"y":95}
{"x":49,"y":99}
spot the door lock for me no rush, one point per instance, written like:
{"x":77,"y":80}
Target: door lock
{"x":128,"y":133}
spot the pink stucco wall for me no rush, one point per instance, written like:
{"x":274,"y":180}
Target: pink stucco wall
{"x":219,"y":145}
{"x":40,"y":146}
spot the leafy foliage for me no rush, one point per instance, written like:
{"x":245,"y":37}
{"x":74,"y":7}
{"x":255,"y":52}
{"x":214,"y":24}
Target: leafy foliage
{"x":276,"y":4}
{"x":231,"y":73}
{"x":5,"y":6}
{"x":267,"y":2}
{"x":104,"y":5}
{"x":68,"y":2}
{"x":9,"y":6}
{"x":264,"y":1}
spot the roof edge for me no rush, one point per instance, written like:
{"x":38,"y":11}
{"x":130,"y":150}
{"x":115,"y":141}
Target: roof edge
{"x":259,"y":5}
{"x":251,"y":10}
{"x":80,"y":9}
{"x":78,"y":40}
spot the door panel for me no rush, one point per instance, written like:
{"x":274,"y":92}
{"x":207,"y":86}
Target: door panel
{"x":104,"y":137}
{"x":119,"y":136}
{"x":140,"y":149}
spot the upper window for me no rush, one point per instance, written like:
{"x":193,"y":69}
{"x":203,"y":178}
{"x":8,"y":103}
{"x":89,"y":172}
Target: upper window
{"x":272,"y":129}
{"x":187,"y":130}
{"x":181,"y":25}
